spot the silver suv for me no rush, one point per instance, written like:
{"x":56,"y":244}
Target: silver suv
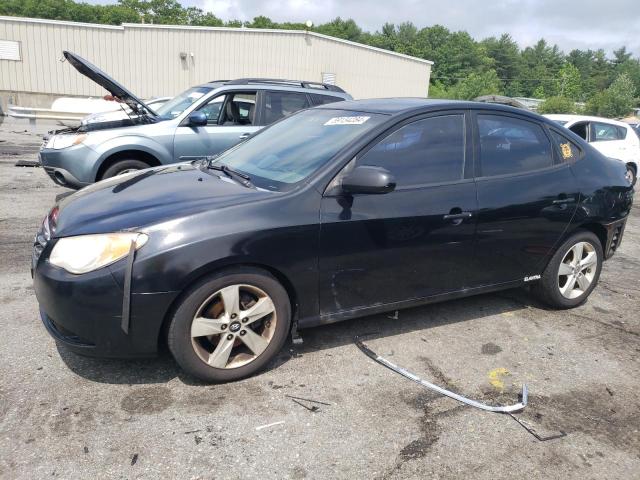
{"x":202,"y":121}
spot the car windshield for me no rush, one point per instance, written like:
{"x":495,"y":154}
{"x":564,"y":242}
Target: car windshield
{"x":179,"y":103}
{"x":291,"y":150}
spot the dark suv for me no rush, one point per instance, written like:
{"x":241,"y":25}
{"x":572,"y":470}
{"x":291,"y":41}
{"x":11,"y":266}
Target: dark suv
{"x":334,"y":212}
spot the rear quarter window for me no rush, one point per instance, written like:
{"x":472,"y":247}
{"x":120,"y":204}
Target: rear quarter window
{"x":319,"y":99}
{"x":603,"y":132}
{"x":567,"y":150}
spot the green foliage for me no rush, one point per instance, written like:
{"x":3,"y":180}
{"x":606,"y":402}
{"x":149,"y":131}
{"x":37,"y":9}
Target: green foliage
{"x":463,"y":67}
{"x":616,"y":101}
{"x":568,"y":83}
{"x":477,"y":84}
{"x":558,"y":105}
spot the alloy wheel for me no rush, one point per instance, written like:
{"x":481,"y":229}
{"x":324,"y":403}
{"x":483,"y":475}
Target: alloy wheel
{"x":577,"y":270}
{"x":233,"y":326}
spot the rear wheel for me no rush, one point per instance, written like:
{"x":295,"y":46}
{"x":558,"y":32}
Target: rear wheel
{"x":230,"y":325}
{"x":124,"y":166}
{"x":572,"y":273}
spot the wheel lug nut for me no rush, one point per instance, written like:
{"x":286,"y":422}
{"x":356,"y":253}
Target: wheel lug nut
{"x":234,"y":315}
{"x":223,"y":327}
{"x":245,"y":320}
{"x":242,"y":333}
{"x":229,"y":337}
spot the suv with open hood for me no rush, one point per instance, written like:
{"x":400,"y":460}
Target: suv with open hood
{"x":201,"y":121}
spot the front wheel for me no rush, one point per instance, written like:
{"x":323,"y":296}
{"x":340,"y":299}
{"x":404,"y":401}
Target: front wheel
{"x":631,"y":174}
{"x":230,"y":325}
{"x":124,"y":166}
{"x":572,"y":273}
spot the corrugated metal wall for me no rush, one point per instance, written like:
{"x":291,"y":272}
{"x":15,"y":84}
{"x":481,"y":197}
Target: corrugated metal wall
{"x":147,"y":59}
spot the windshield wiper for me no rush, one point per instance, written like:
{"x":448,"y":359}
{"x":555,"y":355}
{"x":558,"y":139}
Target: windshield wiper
{"x":241,"y":178}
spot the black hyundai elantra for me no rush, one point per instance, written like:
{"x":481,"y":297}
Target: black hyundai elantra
{"x":336,"y":212}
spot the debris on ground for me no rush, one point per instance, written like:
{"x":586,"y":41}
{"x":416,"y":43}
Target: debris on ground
{"x":270,"y":425}
{"x":405,"y":373}
{"x":535,"y":431}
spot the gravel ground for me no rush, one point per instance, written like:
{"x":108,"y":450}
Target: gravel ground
{"x":66,"y":416}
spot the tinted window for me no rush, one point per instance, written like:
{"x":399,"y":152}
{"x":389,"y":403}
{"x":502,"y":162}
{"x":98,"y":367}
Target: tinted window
{"x":427,"y":151}
{"x":602,"y":132}
{"x":509,"y":145}
{"x":281,"y":104}
{"x":291,"y":150}
{"x":324,"y":99}
{"x":569,"y":151}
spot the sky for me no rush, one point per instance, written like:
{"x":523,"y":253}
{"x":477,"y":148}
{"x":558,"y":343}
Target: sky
{"x":569,"y":23}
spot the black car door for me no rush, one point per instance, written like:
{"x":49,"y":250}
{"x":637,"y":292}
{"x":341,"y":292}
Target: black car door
{"x":413,"y":242}
{"x":526,"y":197}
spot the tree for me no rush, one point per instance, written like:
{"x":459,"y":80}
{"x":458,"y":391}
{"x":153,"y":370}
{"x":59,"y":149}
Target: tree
{"x":476,"y":85}
{"x":541,"y":63}
{"x":616,"y":101}
{"x":505,"y":53}
{"x":568,"y":84}
{"x":557,"y":105}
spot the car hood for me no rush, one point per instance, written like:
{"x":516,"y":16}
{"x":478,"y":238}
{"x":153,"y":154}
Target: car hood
{"x":149,"y":197}
{"x":112,"y":86}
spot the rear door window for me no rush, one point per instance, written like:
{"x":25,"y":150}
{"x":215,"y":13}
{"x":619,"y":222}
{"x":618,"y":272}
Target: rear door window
{"x":280,"y":104}
{"x":431,"y":150}
{"x":510,"y":145}
{"x":580,"y":129}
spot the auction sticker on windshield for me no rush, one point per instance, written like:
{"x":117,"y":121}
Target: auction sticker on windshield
{"x":347,"y":120}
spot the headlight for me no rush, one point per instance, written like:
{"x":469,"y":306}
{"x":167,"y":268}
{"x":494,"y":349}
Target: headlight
{"x":86,"y":253}
{"x":58,"y":142}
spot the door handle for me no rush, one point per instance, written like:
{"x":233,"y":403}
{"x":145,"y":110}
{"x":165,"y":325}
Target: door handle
{"x":244,"y":135}
{"x":458,"y":216}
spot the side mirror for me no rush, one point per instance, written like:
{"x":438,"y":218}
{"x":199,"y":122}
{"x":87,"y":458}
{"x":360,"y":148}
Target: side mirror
{"x":368,"y":179}
{"x":197,"y":119}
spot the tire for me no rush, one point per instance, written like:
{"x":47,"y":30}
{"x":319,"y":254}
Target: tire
{"x":554,"y":290}
{"x":205,"y":301}
{"x":632,"y":175}
{"x":124,"y":166}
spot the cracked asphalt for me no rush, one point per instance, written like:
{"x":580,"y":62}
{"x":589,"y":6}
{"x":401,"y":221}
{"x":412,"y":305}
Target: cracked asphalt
{"x":66,"y":416}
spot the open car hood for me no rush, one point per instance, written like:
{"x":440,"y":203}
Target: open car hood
{"x":113,"y":87}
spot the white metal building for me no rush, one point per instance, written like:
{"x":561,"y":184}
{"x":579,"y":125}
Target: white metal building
{"x":158,"y":60}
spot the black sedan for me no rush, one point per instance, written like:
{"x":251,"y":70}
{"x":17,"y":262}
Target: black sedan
{"x":336,"y":212}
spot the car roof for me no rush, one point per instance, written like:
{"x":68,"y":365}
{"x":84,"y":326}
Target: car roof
{"x":401,"y":106}
{"x":584,"y":118}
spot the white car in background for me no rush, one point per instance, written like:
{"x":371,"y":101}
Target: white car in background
{"x":614,"y":139}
